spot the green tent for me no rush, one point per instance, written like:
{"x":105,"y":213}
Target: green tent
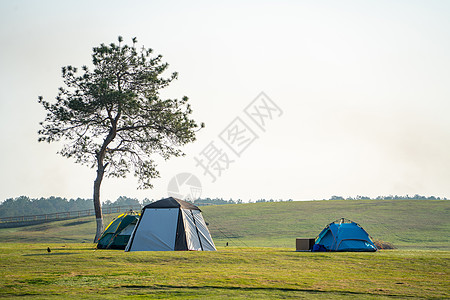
{"x":117,"y":233}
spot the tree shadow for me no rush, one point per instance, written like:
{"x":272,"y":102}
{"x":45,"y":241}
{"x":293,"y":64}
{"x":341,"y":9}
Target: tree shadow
{"x":250,"y":289}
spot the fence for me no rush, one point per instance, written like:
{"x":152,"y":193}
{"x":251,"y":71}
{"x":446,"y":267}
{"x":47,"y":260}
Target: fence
{"x":68,"y":214}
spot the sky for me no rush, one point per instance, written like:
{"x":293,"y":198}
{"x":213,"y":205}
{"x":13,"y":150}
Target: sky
{"x":302,"y":100}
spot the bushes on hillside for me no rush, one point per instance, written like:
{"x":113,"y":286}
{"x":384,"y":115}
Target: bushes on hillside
{"x":383,"y":245}
{"x":25,"y":206}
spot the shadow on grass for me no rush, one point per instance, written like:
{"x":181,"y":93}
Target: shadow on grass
{"x":249,"y":289}
{"x":51,"y":254}
{"x":76,"y":223}
{"x":59,"y":251}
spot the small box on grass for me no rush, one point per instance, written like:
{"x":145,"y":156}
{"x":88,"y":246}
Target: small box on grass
{"x":304,"y":244}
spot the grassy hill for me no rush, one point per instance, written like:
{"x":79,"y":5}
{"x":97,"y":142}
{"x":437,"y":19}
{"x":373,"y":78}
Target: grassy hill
{"x":405,"y":223}
{"x":408,"y":224}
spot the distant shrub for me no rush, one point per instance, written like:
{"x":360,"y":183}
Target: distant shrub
{"x":382,"y":245}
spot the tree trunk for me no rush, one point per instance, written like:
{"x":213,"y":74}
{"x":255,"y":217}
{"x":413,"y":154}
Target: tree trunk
{"x":101,"y":171}
{"x":97,"y":203}
{"x":98,"y":181}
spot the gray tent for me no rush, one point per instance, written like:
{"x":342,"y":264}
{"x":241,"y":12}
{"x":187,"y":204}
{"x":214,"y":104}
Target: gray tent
{"x":169,"y":225}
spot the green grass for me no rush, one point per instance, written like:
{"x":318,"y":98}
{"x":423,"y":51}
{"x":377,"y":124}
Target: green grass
{"x":79,"y":271}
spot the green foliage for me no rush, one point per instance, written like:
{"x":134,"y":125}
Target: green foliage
{"x":389,"y":197}
{"x":24,"y":206}
{"x":112,"y":116}
{"x":215,"y":201}
{"x":125,"y":201}
{"x":74,"y":271}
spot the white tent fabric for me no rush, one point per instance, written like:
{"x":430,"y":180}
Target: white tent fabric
{"x":170,"y":224}
{"x":192,"y":240}
{"x":157,"y":230}
{"x":205,"y":236}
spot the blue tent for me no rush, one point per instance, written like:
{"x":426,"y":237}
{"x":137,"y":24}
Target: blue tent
{"x":344,"y":235}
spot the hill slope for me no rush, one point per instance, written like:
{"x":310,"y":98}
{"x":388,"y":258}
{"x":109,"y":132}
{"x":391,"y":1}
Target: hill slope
{"x":405,"y":223}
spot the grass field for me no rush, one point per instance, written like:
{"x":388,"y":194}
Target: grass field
{"x":79,"y":271}
{"x":259,"y":263}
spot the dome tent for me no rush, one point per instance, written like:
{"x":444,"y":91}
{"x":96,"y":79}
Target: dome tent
{"x":170,"y":225}
{"x":118,"y":232}
{"x":344,"y":235}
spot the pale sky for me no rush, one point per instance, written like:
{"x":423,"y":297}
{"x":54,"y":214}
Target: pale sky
{"x":362,"y":90}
